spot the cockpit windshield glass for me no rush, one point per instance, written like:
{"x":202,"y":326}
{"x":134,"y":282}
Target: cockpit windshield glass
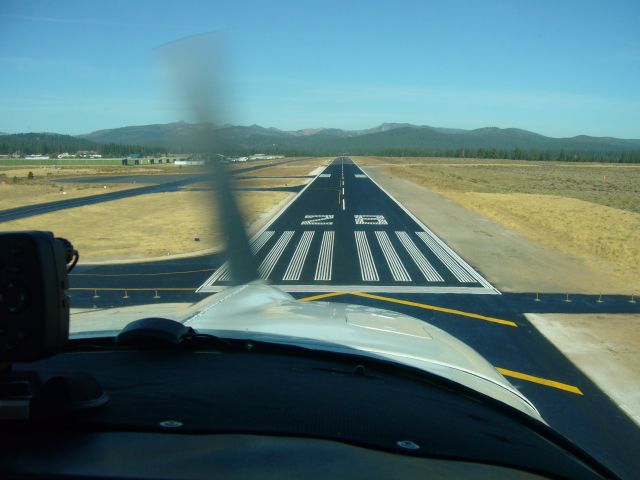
{"x":463,"y":174}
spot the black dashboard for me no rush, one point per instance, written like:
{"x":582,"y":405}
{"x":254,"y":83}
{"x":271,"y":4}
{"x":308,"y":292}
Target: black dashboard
{"x":256,"y":410}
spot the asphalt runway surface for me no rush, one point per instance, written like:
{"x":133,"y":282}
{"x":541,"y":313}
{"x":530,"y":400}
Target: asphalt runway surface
{"x":344,"y":232}
{"x":371,"y":251}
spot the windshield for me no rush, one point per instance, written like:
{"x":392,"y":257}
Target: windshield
{"x":474,"y":166}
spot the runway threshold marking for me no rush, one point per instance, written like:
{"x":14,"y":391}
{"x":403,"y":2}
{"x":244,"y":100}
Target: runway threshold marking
{"x":413,"y":304}
{"x":540,"y":381}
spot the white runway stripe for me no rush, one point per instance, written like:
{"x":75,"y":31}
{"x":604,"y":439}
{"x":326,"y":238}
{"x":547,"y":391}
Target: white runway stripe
{"x":423,"y":264}
{"x":256,"y":245}
{"x":398,"y":271}
{"x":458,"y":270}
{"x":325,"y":258}
{"x":360,"y":175}
{"x":324,"y":175}
{"x":299,"y":256}
{"x":269,"y":262}
{"x":367,"y":266}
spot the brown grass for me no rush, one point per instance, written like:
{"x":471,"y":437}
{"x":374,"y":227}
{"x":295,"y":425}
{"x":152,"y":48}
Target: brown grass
{"x":33,"y":192}
{"x":145,"y":226}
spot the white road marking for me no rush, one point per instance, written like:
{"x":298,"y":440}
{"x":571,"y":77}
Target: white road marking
{"x":367,"y":266}
{"x":317,"y":220}
{"x":325,"y":258}
{"x":256,"y":245}
{"x":343,"y":207}
{"x":269,"y":262}
{"x":299,"y":256}
{"x":458,"y":270}
{"x":370,"y":220}
{"x":489,"y":289}
{"x":398,"y":271}
{"x":386,"y":289}
{"x":423,"y":264}
{"x":360,"y":175}
{"x":324,"y":175}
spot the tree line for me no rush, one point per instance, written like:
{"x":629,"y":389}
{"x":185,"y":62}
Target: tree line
{"x":52,"y":144}
{"x":518,"y":154}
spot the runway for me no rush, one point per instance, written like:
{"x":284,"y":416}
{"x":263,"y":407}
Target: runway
{"x":344,"y":231}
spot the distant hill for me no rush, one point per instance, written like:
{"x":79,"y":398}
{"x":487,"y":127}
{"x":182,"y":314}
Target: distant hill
{"x":43,"y":143}
{"x":329,"y":141}
{"x":54,"y":143}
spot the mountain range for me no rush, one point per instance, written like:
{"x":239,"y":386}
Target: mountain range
{"x":328,"y":141}
{"x":387,"y":138}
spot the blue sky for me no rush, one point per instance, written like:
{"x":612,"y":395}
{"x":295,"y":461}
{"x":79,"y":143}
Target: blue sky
{"x":556,"y":68}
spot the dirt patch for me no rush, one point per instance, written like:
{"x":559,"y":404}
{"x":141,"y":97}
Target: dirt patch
{"x":608,"y":239}
{"x":605,"y":347}
{"x":150,"y":225}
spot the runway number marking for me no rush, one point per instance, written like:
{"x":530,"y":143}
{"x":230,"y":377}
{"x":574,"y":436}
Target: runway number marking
{"x":317,"y":220}
{"x":370,"y":220}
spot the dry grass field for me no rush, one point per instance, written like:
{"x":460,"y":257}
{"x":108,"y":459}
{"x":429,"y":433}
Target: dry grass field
{"x":31,"y":193}
{"x":153,"y":225}
{"x":587,"y":210}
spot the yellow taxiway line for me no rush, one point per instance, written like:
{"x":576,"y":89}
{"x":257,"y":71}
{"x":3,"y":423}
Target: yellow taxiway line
{"x":541,"y":381}
{"x":413,"y":304}
{"x":507,"y":373}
